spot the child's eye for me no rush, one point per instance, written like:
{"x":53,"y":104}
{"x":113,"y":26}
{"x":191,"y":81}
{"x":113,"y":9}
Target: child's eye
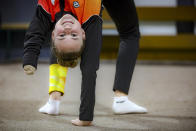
{"x":62,"y":35}
{"x":73,"y":35}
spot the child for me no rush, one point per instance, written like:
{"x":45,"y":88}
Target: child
{"x":66,"y":39}
{"x":128,"y":29}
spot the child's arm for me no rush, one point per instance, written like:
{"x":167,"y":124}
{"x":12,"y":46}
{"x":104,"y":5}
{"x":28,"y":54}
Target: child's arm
{"x":35,"y":37}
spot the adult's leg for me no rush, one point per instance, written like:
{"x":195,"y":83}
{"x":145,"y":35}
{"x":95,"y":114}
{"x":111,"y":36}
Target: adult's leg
{"x":89,"y":65}
{"x":125,"y":17}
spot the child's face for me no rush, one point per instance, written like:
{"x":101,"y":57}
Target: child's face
{"x":68,"y":35}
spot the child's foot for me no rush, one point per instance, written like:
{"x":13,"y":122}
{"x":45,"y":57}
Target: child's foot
{"x":123,"y":105}
{"x":78,"y":122}
{"x":51,"y":107}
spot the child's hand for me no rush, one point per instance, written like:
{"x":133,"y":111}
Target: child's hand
{"x":29,"y":70}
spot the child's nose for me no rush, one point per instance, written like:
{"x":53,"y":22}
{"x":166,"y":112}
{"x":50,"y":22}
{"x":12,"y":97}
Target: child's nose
{"x":67,"y":28}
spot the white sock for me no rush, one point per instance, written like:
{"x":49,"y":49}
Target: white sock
{"x":123,"y":105}
{"x":51,"y":107}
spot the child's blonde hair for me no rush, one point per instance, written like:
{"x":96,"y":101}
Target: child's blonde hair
{"x":69,"y":59}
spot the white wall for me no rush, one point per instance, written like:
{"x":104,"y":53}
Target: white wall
{"x":158,"y":28}
{"x":155,"y":2}
{"x":151,"y":28}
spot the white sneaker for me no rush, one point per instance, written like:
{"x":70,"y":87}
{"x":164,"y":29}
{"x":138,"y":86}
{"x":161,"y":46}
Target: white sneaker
{"x":122,"y":105}
{"x":51,"y":107}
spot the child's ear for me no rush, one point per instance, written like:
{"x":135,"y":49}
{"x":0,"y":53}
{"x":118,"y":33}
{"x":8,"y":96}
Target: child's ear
{"x":83,"y":35}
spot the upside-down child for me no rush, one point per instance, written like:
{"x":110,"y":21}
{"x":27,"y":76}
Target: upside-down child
{"x":70,"y":22}
{"x":67,"y":17}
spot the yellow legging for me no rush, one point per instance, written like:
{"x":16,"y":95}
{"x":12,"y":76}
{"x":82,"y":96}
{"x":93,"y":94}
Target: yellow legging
{"x":57,"y":78}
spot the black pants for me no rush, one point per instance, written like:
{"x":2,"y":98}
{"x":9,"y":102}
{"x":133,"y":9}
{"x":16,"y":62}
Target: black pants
{"x":125,"y":17}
